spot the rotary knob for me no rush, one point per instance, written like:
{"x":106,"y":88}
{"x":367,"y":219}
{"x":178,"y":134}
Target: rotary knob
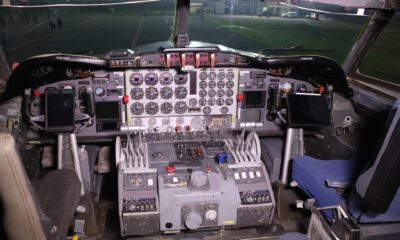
{"x":193,"y":220}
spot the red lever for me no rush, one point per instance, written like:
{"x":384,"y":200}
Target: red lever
{"x":125,"y":99}
{"x":170,"y":169}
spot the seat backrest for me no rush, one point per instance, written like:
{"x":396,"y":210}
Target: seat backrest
{"x":379,"y":183}
{"x":21,"y":215}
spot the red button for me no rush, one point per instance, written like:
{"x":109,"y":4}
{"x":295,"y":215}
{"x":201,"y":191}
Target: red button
{"x":178,"y":128}
{"x":125,"y":99}
{"x":170,"y":169}
{"x":321,"y":89}
{"x":239,"y":97}
{"x":199,"y":152}
{"x":36,"y":93}
{"x":14,"y":66}
{"x":188,"y":128}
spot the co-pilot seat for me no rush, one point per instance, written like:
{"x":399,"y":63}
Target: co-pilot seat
{"x":374,"y":199}
{"x":57,"y":192}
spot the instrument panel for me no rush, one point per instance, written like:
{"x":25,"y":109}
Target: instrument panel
{"x":169,"y":100}
{"x":160,"y":100}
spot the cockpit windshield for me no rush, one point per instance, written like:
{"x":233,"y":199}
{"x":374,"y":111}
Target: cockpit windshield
{"x":272,"y":28}
{"x":265,"y":27}
{"x":84,"y":30}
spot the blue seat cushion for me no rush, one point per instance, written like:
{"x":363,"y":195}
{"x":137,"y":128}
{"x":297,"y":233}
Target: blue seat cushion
{"x":311,"y":175}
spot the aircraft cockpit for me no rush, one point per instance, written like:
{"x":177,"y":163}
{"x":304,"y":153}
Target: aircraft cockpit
{"x":221,"y":132}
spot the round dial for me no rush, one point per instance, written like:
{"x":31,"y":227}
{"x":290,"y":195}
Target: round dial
{"x":99,"y":91}
{"x":220,"y":84}
{"x":207,"y":110}
{"x":197,"y":123}
{"x":220,"y":101}
{"x":151,"y":108}
{"x":166,"y":78}
{"x":212,"y":75}
{"x":151,"y":79}
{"x":203,"y":75}
{"x":229,"y":93}
{"x":151,"y":93}
{"x":180,"y":92}
{"x":165,"y":121}
{"x":229,"y":101}
{"x":137,"y":108}
{"x":221,"y":75}
{"x":136,"y":79}
{"x":212,"y":84}
{"x":203,"y":84}
{"x":220,"y":93}
{"x":202,"y":102}
{"x":166,"y":92}
{"x":180,"y":107}
{"x":229,"y":84}
{"x":211,"y":101}
{"x":180,"y":79}
{"x":192,"y":102}
{"x":166,"y":108}
{"x":230,"y":75}
{"x":137,"y":93}
{"x":212,"y":93}
{"x":137,"y":121}
{"x":152,"y":121}
{"x":180,"y":120}
{"x":224,"y":110}
{"x":203,"y":93}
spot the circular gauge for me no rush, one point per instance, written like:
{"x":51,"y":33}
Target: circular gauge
{"x":99,"y":92}
{"x":180,"y":92}
{"x":151,"y":108}
{"x":165,"y":121}
{"x":180,"y":120}
{"x":197,"y":123}
{"x":166,"y":108}
{"x":229,"y":93}
{"x":137,"y":122}
{"x":220,"y":84}
{"x":211,"y":101}
{"x":166,"y":93}
{"x":202,"y":102}
{"x":230,"y":75}
{"x":229,"y":101}
{"x":169,"y":129}
{"x":151,"y":79}
{"x":220,"y":93}
{"x":220,"y":101}
{"x":136,"y":79}
{"x":224,"y":110}
{"x":151,"y":93}
{"x":192,"y":102}
{"x":301,"y":88}
{"x":137,"y":108}
{"x":212,"y":84}
{"x":203,"y":84}
{"x":212,"y":76}
{"x":221,"y":76}
{"x":180,"y":107}
{"x":207,"y":110}
{"x":166,"y":78}
{"x":137,"y":93}
{"x":180,"y":79}
{"x":152,"y":121}
{"x":203,"y":93}
{"x":212,"y":93}
{"x":229,"y":84}
{"x":203,"y":76}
